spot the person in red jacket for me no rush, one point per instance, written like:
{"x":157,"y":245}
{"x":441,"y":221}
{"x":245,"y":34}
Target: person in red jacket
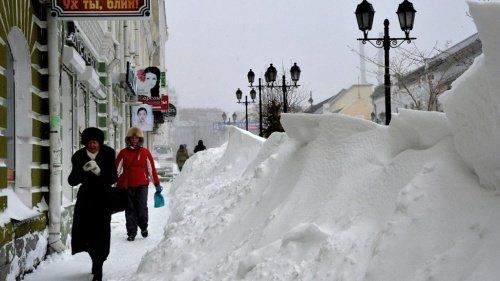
{"x":136,"y":166}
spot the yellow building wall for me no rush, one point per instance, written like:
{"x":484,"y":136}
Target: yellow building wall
{"x":361,"y":109}
{"x":355,"y":102}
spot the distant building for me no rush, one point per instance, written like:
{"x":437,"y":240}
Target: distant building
{"x":193,"y":124}
{"x":354,"y":101}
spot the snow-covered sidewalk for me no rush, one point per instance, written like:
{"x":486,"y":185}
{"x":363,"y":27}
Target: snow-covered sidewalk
{"x":124,"y":256}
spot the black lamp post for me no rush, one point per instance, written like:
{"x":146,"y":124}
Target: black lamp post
{"x":251,"y":78}
{"x":239,"y":94}
{"x":234,"y":117}
{"x":364,"y":16}
{"x":224,"y":116}
{"x":270,"y":77}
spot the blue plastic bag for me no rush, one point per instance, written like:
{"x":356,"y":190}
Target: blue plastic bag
{"x":159,"y":200}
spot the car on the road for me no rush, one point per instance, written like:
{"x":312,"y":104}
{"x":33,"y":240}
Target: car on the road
{"x":165,"y":166}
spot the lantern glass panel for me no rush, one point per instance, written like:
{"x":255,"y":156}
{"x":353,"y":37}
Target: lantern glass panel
{"x":251,"y":76}
{"x":364,"y":15}
{"x":295,"y":72}
{"x":253,"y":93}
{"x":406,"y":15}
{"x":239,"y":93}
{"x":267,"y":77}
{"x":272,"y":73}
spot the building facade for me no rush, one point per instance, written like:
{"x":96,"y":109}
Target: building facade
{"x":420,"y":88}
{"x":354,"y":101}
{"x":57,"y":78}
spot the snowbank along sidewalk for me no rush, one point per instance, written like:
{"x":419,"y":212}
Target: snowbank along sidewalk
{"x":338,"y":198}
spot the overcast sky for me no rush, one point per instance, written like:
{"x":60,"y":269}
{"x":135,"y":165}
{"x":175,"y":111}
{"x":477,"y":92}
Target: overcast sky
{"x":213,"y":43}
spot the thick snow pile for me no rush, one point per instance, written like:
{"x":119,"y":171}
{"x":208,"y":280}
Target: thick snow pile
{"x":16,"y":209}
{"x":472,"y":106}
{"x":339,"y":198}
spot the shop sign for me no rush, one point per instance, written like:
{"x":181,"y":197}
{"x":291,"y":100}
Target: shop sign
{"x":112,"y":9}
{"x":171,"y":112}
{"x":163,"y":80}
{"x":157,"y":103}
{"x":75,"y":40}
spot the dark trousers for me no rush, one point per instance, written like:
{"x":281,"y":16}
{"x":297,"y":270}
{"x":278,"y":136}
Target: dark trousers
{"x":136,"y":213}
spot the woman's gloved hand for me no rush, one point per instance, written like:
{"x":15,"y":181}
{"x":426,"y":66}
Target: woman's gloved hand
{"x":159,"y":188}
{"x":92,"y":167}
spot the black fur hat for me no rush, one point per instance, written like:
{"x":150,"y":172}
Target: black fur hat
{"x":92,"y":133}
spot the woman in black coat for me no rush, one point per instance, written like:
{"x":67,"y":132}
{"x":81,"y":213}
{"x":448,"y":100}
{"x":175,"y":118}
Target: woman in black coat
{"x":93,"y":168}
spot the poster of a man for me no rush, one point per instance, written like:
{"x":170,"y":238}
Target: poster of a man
{"x":142,"y":117}
{"x":148,"y":82}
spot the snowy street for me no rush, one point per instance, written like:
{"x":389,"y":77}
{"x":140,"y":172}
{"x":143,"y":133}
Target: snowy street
{"x":395,"y":181}
{"x":124,"y":256}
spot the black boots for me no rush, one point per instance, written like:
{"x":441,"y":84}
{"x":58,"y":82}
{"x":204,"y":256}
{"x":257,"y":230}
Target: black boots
{"x":131,"y":237}
{"x":97,"y":271}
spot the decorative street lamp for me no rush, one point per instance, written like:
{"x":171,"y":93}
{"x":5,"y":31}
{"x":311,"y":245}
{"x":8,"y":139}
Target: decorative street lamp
{"x":234,"y":117}
{"x":251,"y":78}
{"x":224,"y":116}
{"x":270,"y":77}
{"x":239,"y":94}
{"x":406,"y":15}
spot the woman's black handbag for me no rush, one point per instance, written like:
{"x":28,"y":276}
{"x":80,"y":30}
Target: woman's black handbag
{"x":118,"y":199}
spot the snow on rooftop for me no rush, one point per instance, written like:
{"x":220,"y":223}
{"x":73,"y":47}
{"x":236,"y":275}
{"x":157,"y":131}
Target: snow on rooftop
{"x":339,"y":198}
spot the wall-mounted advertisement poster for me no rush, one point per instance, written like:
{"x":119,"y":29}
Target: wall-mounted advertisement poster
{"x":148,"y":82}
{"x":142,"y":117}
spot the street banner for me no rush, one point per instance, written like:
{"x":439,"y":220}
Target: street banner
{"x":142,"y":117}
{"x":101,"y":9}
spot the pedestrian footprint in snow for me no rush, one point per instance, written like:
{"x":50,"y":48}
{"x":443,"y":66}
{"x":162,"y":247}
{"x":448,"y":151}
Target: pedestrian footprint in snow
{"x":135,"y":166}
{"x":93,"y":168}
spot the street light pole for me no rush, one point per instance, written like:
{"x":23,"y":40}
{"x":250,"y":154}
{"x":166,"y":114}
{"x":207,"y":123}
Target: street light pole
{"x":387,"y":75}
{"x":261,"y":134}
{"x":246,"y":113}
{"x":406,"y":14}
{"x":285,"y":103}
{"x":239,"y":94}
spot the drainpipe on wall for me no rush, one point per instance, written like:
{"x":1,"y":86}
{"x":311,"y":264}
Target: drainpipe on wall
{"x":111,"y":128}
{"x":137,"y":42}
{"x":55,"y":243}
{"x":126,"y":58}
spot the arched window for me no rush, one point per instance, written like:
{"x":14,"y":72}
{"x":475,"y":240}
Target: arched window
{"x":11,"y":118}
{"x":20,"y":146}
